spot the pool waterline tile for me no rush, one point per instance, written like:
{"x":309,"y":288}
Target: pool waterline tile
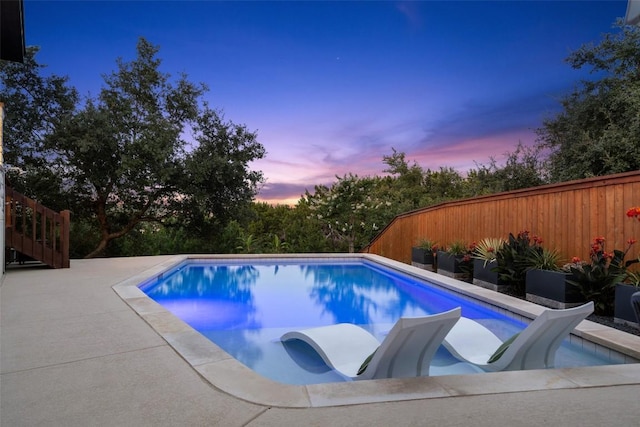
{"x":229,"y":375}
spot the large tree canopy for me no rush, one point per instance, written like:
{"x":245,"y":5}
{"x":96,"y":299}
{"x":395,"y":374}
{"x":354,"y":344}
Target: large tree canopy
{"x":218,"y":182}
{"x":122,"y":155}
{"x":598,"y":133}
{"x":34,"y":105}
{"x":121,"y":159}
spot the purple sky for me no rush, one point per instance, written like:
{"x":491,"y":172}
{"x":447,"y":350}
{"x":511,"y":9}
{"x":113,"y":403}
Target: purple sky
{"x":331,"y":87}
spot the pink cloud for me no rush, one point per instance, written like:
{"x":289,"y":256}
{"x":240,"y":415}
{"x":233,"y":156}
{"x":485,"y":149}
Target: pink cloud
{"x":464,"y":155}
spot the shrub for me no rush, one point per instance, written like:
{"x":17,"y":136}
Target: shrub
{"x":596,"y":279}
{"x":427,"y":245}
{"x":514,"y":259}
{"x":544,"y":259}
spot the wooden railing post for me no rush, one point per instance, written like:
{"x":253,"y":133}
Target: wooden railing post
{"x":37,"y":231}
{"x":65,"y":225}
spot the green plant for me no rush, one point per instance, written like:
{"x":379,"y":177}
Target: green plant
{"x":457,"y":248}
{"x":514,"y":259}
{"x":428,"y":245}
{"x":544,"y":259}
{"x":487,"y":248}
{"x":633,"y":278}
{"x":596,"y":279}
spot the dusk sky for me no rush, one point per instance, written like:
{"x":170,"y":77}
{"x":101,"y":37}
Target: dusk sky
{"x":331,"y":87}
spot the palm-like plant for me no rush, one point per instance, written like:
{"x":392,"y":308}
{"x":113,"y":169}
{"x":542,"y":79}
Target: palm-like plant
{"x":487,"y":248}
{"x":544,"y":259}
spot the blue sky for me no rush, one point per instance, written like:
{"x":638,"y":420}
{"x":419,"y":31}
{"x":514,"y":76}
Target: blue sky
{"x":330,"y":87}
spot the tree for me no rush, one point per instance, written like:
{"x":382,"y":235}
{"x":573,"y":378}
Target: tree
{"x":443,"y":184}
{"x":34,"y":106}
{"x":523,"y":168}
{"x":598,"y":133}
{"x":407,"y":188}
{"x":121,"y":155}
{"x":120,"y":161}
{"x":350,"y":211}
{"x":217,"y":182}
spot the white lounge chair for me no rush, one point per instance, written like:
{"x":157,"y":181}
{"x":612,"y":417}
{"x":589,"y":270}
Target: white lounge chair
{"x":533,"y":348}
{"x":405,"y":352}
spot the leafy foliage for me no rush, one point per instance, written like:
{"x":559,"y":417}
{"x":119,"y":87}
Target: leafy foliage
{"x":428,"y":245}
{"x":34,"y":105}
{"x":122,"y":159}
{"x":487,"y":248}
{"x":121,"y":154}
{"x":350,"y":211}
{"x":596,"y":279}
{"x":514,"y":259}
{"x":458,"y":247}
{"x":217,"y":183}
{"x":545,"y":259}
{"x":598,"y":133}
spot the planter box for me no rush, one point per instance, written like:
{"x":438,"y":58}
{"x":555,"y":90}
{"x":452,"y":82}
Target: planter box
{"x":422,"y":258}
{"x":623,"y":311}
{"x":484,"y":277}
{"x":449,"y":265}
{"x":550,"y":288}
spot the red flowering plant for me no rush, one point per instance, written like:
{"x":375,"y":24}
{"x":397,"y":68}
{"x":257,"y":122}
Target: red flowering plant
{"x":462,"y":254}
{"x":633,"y":277}
{"x":428,"y":245}
{"x":634,"y":213}
{"x":596,"y":279}
{"x":466,"y":263}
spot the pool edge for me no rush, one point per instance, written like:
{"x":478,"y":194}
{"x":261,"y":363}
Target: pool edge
{"x":225,"y":373}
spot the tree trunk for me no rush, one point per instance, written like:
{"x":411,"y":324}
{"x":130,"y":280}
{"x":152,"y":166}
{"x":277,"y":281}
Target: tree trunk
{"x":99,"y":249}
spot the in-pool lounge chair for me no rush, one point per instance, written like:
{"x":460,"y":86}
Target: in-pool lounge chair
{"x":533,"y":348}
{"x":405,"y":352}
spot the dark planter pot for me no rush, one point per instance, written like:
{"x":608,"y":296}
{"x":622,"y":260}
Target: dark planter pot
{"x":449,"y":263}
{"x":421,"y":256}
{"x":484,"y":277}
{"x":623,"y":311}
{"x":482,"y":271}
{"x":550,"y":288}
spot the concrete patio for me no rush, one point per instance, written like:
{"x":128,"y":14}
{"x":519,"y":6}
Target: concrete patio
{"x":73,"y":353}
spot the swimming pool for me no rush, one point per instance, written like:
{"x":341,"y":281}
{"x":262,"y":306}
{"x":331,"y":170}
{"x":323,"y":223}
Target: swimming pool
{"x":245,"y":306}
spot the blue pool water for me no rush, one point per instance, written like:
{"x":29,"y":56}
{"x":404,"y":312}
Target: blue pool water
{"x":244,"y":308}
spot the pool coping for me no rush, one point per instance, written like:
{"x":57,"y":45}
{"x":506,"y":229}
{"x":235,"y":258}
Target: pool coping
{"x":230,"y":376}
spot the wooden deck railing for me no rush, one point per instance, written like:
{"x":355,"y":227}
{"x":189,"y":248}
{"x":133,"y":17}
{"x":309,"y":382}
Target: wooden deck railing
{"x":36,"y":231}
{"x":567,"y":216}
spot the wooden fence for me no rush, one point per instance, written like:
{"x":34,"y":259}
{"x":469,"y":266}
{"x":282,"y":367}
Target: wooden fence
{"x":36,"y":231}
{"x":566,"y":216}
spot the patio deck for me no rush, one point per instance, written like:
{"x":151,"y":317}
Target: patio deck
{"x":73,"y":353}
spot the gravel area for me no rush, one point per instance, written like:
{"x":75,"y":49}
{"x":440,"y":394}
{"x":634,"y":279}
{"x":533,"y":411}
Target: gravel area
{"x":603,"y":320}
{"x":608,"y":321}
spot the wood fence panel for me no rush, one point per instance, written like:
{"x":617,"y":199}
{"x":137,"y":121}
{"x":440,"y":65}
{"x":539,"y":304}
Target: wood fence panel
{"x":567,"y":216}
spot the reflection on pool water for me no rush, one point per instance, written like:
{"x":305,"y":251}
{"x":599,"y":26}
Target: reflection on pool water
{"x":244,"y":307}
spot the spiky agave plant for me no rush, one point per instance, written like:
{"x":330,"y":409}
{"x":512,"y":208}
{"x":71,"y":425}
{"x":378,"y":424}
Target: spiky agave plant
{"x":487,"y":248}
